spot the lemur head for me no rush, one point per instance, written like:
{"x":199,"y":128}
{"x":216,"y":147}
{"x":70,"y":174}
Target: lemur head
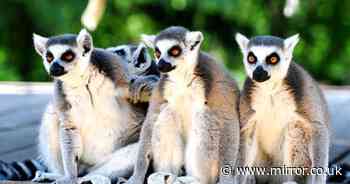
{"x":65,"y":56}
{"x":175,"y":47}
{"x":135,"y":56}
{"x":267,"y":57}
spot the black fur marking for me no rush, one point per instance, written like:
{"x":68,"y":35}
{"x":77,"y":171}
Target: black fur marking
{"x":174,"y":32}
{"x":62,"y":101}
{"x":162,"y":81}
{"x":204,"y":72}
{"x":248,"y":89}
{"x":141,"y":58}
{"x":295,"y":83}
{"x":104,"y":62}
{"x":194,"y":45}
{"x":266,"y":40}
{"x":66,"y":39}
{"x":29,"y":164}
{"x":20,"y":170}
{"x":151,"y":70}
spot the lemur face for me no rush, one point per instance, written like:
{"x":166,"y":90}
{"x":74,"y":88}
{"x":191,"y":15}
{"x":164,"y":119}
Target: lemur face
{"x":174,"y":48}
{"x":267,"y":57}
{"x":65,"y":56}
{"x":136,"y":57}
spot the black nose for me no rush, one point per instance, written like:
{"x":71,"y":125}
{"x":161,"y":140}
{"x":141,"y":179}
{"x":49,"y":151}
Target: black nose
{"x":260,"y":75}
{"x":56,"y":70}
{"x":164,"y":66}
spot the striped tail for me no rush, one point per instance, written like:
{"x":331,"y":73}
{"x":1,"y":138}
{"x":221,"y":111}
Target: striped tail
{"x":20,"y":171}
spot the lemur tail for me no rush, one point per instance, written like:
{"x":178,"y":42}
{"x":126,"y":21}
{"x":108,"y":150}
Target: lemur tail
{"x":24,"y":170}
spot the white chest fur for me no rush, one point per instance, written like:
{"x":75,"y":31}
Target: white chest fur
{"x":99,"y":117}
{"x":274,"y":108}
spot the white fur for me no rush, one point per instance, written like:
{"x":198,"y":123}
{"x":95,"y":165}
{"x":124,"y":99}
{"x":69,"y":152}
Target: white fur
{"x":274,"y":109}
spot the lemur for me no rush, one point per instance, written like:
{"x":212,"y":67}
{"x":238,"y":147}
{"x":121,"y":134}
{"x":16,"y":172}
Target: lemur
{"x":144,"y":75}
{"x":142,"y":68}
{"x":192,"y":120}
{"x":89,"y":127}
{"x":283,"y":113}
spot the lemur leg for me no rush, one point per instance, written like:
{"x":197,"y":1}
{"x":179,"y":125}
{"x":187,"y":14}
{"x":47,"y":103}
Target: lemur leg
{"x":297,"y":149}
{"x":248,"y":155}
{"x":202,"y":152}
{"x":119,"y":164}
{"x":71,"y":148}
{"x":319,"y":148}
{"x":49,"y":147}
{"x":167,"y":144}
{"x":230,"y":141}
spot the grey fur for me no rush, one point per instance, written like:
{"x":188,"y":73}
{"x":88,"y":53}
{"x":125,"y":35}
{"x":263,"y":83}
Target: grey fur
{"x":66,"y":39}
{"x":173,"y":32}
{"x":266,"y":40}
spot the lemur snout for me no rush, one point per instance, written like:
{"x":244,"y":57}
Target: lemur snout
{"x":260,"y":75}
{"x":164,"y":66}
{"x":57,"y":70}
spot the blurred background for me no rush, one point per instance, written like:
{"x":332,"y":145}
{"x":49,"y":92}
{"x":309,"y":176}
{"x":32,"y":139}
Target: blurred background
{"x":324,"y":26}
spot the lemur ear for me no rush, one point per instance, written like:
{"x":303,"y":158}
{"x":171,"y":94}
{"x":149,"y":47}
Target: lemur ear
{"x":242,"y":41}
{"x":194,"y":39}
{"x":39,"y":43}
{"x":148,"y":40}
{"x":84,"y":40}
{"x":139,"y":54}
{"x":290,"y":43}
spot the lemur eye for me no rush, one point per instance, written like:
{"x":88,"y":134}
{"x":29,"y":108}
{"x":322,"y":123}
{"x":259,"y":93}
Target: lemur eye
{"x":68,"y":56}
{"x":120,"y":52}
{"x":272,"y":59}
{"x":251,"y":58}
{"x":49,"y":57}
{"x":175,"y":51}
{"x":157,"y":53}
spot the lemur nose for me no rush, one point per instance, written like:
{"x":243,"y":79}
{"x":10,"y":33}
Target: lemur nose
{"x":260,"y":75}
{"x":164,"y":66}
{"x":56,"y":70}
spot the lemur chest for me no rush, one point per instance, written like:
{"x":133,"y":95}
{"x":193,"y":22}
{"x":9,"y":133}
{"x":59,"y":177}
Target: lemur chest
{"x":274,"y":110}
{"x":100,"y":119}
{"x":185,"y":100}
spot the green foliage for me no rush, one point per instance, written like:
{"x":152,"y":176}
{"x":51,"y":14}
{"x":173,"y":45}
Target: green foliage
{"x":324,"y":26}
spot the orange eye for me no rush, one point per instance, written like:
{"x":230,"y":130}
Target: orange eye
{"x":49,"y":57}
{"x":157,"y":53}
{"x":273,"y":60}
{"x":251,"y":58}
{"x":68,"y":56}
{"x":175,"y":51}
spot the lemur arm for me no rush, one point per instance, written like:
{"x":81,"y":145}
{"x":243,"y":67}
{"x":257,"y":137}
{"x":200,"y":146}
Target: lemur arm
{"x":70,"y":143}
{"x":144,"y":155}
{"x":140,"y":89}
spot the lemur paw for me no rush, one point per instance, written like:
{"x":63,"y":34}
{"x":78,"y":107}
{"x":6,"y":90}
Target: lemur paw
{"x":94,"y":179}
{"x":167,"y":178}
{"x":140,"y":90}
{"x":44,"y":176}
{"x":290,"y":182}
{"x":66,"y":180}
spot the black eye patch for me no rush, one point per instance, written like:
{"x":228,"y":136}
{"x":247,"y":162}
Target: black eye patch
{"x":251,"y":58}
{"x":120,"y":52}
{"x":68,"y":56}
{"x":272,"y":59}
{"x":175,"y":51}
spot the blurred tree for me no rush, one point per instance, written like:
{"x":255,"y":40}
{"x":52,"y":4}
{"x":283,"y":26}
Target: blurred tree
{"x":324,"y":27}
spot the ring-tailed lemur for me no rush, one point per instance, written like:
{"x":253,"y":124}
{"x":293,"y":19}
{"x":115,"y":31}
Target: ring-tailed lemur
{"x":90,"y":125}
{"x":144,"y":74}
{"x":142,"y":68}
{"x":192,"y":121}
{"x":283,"y":113}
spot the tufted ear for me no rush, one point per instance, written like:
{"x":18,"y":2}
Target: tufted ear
{"x":39,"y":43}
{"x":242,"y":41}
{"x":290,"y":43}
{"x":84,"y":40}
{"x":194,"y":39}
{"x":148,"y":40}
